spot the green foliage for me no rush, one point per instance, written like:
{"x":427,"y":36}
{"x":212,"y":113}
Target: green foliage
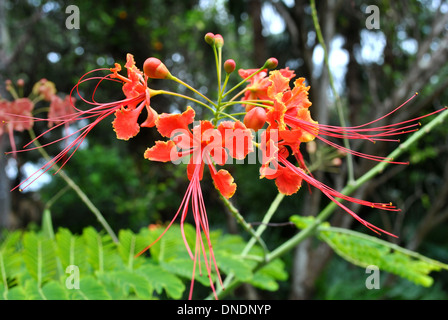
{"x":90,"y":266}
{"x":363,"y":250}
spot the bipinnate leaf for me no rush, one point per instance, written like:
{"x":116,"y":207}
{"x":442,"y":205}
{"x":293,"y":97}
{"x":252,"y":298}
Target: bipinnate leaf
{"x":99,"y":250}
{"x":52,"y":290}
{"x":364,"y":250}
{"x":71,"y":250}
{"x":268,"y":276}
{"x":131,"y":244}
{"x":160,"y":280}
{"x":132,"y":283}
{"x":39,"y":257}
{"x":90,"y":288}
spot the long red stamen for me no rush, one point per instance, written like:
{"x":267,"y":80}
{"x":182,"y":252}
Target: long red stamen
{"x":333,"y":194}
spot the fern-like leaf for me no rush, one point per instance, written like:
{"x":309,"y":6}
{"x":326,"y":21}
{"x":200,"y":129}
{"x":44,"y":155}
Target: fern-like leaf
{"x":90,"y":288}
{"x":159,"y":279}
{"x":364,"y":250}
{"x":131,"y":244}
{"x":52,"y":290}
{"x":71,"y":250}
{"x":99,"y":250}
{"x":39,"y":257}
{"x":9,"y":263}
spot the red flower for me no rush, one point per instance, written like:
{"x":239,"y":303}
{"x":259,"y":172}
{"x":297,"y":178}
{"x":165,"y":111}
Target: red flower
{"x":205,"y":144}
{"x":60,"y":109}
{"x":15,"y":116}
{"x":126,"y":111}
{"x":259,"y":84}
{"x":290,"y":118}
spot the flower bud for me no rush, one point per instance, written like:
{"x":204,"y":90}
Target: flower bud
{"x":210,"y":38}
{"x":155,"y":69}
{"x":20,"y":82}
{"x":255,"y":118}
{"x":219,"y":41}
{"x":229,"y":66}
{"x":271,"y":63}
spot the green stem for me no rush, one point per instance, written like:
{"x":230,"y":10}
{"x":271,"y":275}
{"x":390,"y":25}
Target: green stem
{"x":236,"y":214}
{"x":227,"y":284}
{"x":185,"y":97}
{"x":244,"y":81}
{"x":350,"y":170}
{"x":193,"y":89}
{"x":77,"y":189}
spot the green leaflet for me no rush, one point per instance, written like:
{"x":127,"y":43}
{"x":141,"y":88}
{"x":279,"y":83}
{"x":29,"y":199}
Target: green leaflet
{"x":268,"y":276}
{"x":52,"y":290}
{"x":99,"y":249}
{"x":39,"y":257}
{"x":71,"y":250}
{"x":60,"y":265}
{"x":364,"y":250}
{"x":130,"y":283}
{"x":160,"y":280}
{"x":131,"y":244}
{"x":90,"y":288}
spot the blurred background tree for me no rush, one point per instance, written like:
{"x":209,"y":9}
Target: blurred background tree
{"x":374,"y":71}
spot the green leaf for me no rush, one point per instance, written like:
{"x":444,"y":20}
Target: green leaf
{"x":364,"y":250}
{"x":90,"y":288}
{"x":15,"y":293}
{"x":71,"y":250}
{"x":161,"y":279}
{"x":39,"y":256}
{"x":131,"y":244}
{"x":268,"y":276}
{"x":99,"y":250}
{"x":184,"y":268}
{"x":230,"y":263}
{"x":52,"y":290}
{"x":133,"y":283}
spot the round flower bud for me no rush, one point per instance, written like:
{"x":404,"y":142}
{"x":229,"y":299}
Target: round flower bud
{"x":219,"y":41}
{"x":155,"y":69}
{"x":271,"y":63}
{"x":255,"y":118}
{"x":20,"y":82}
{"x":229,"y":66}
{"x":210,"y":38}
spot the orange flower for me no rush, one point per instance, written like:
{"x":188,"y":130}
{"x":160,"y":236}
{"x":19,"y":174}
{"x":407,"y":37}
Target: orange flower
{"x":15,"y":116}
{"x":126,"y":111}
{"x":205,"y":144}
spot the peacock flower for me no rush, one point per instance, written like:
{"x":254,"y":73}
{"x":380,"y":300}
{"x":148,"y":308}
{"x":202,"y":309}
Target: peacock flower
{"x":126,"y":112}
{"x":259,"y":83}
{"x":15,"y":116}
{"x":290,"y":118}
{"x":206,"y":145}
{"x":60,"y":109}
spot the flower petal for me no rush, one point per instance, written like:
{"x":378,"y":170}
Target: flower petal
{"x":125,"y":123}
{"x":167,"y":122}
{"x":223,"y":181}
{"x":237,"y":138}
{"x":287,"y":181}
{"x":162,"y":151}
{"x":151,"y":119}
{"x":279,"y":84}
